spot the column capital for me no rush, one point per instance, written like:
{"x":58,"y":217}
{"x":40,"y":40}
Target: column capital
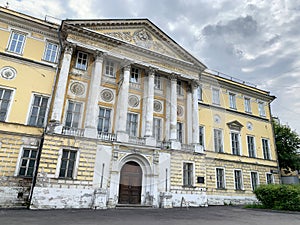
{"x":126,"y":64}
{"x":173,"y":76}
{"x":69,"y":47}
{"x":194,"y":83}
{"x":151,"y":70}
{"x":99,"y":55}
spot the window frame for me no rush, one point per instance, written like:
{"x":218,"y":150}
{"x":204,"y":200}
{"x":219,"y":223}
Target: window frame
{"x":51,"y":54}
{"x":75,"y":166}
{"x":157,"y":82}
{"x":20,"y":160}
{"x":272,"y":178}
{"x":261,"y":109}
{"x":72,"y":119}
{"x":240,"y":181}
{"x":251,"y":179}
{"x":248,"y":108}
{"x":239,"y":149}
{"x":232,"y":100}
{"x":129,"y":124}
{"x":10,"y":40}
{"x":180,"y":131}
{"x":202,"y":127}
{"x":81,"y":65}
{"x":222,"y":182}
{"x":221,"y":140}
{"x":188,"y":174}
{"x":179,"y":88}
{"x":157,"y":129}
{"x":104,"y":118}
{"x":254,"y":146}
{"x":11,"y":97}
{"x":135,"y":74}
{"x":39,"y":107}
{"x":110,"y":65}
{"x":266,"y":154}
{"x":200,"y":93}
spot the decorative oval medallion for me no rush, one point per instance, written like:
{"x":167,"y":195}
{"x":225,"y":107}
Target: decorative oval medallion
{"x":179,"y":110}
{"x":8,"y":73}
{"x":77,"y":88}
{"x":249,"y":126}
{"x":217,"y":119}
{"x":107,"y":95}
{"x":157,"y":106}
{"x":133,"y":101}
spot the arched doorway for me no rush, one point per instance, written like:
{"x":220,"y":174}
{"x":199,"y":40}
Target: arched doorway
{"x":130,"y":186}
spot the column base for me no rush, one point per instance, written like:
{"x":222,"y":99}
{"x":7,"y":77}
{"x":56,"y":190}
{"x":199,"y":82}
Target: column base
{"x":58,"y":129}
{"x":122,"y":136}
{"x":175,"y":145}
{"x":198,"y":148}
{"x":90,"y":132}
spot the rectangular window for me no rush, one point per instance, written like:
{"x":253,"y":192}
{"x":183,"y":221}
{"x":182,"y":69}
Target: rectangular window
{"x":5,"y":97}
{"x":157,"y":128}
{"x":16,"y":42}
{"x":216,"y":96}
{"x":132,"y":124}
{"x":109,"y":68}
{"x":251,"y":146}
{"x":179,"y":87}
{"x":179,"y":132}
{"x":134,"y":76}
{"x":81,"y":61}
{"x":261,"y":109}
{"x":218,"y":140}
{"x":220,"y":178}
{"x":104,"y":120}
{"x":73,"y":114}
{"x":235,"y":143}
{"x":254,"y":180}
{"x":270,"y":178}
{"x":238,"y":181}
{"x":67,"y":165}
{"x":232,"y":101}
{"x":247,"y":105}
{"x":28,"y":162}
{"x":201,"y":136}
{"x":266,"y":148}
{"x":187,"y":174}
{"x":51,"y":52}
{"x":199,"y":93}
{"x":38,"y":111}
{"x":157,"y":82}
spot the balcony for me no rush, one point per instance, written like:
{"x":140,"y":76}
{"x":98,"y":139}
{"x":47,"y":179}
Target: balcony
{"x":72,"y":131}
{"x":105,"y":136}
{"x":137,"y":140}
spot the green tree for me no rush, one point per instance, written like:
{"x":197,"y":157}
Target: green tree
{"x":287,"y":144}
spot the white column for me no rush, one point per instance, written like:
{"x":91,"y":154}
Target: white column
{"x":173,"y":104}
{"x":93,"y":98}
{"x":149,"y":102}
{"x":195,"y":115}
{"x":189,"y":115}
{"x":60,"y":91}
{"x":123,"y":104}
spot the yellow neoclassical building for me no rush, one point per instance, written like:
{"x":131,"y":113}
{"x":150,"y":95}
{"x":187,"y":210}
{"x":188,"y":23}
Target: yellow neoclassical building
{"x":111,"y":113}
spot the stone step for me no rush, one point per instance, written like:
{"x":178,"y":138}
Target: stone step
{"x":133,"y":206}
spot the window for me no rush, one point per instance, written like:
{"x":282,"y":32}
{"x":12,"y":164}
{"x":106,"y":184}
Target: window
{"x":216,"y":96}
{"x":157,"y":82}
{"x":51,"y":52}
{"x":73,"y":114}
{"x":103,"y":120}
{"x":82,"y":60}
{"x":110,"y":68}
{"x":247,"y":105}
{"x":261,"y":109}
{"x":132,"y":124}
{"x":179,"y":132}
{"x":218,"y":140}
{"x":179,"y":87}
{"x":38,"y":111}
{"x":157,"y":128}
{"x":199,"y":93}
{"x":270,"y":178}
{"x":67,"y":165}
{"x":220,"y":178}
{"x":134,"y":76}
{"x":5,"y":96}
{"x":266,"y":148}
{"x":201,"y":136}
{"x":251,"y":146}
{"x":254,"y":180}
{"x":16,"y":42}
{"x":232,"y":101}
{"x":238,"y":180}
{"x":28,"y":162}
{"x":187,"y":174}
{"x":235,"y":143}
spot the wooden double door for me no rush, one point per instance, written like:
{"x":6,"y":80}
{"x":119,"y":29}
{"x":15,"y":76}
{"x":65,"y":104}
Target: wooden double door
{"x":130,"y":186}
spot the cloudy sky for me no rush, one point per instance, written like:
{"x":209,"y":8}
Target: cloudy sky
{"x":254,"y":40}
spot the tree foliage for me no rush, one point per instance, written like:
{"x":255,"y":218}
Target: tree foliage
{"x":287,"y":144}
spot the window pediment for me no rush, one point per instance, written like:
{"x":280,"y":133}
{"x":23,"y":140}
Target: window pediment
{"x":235,"y":125}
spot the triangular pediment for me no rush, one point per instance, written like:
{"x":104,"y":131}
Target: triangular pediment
{"x":138,"y":32}
{"x":235,"y":125}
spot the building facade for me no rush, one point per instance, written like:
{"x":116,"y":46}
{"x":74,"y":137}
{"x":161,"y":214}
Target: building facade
{"x":122,"y":115}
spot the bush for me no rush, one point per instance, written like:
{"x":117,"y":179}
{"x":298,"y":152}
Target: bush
{"x":279,"y":196}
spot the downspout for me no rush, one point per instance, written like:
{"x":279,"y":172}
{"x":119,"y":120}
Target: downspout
{"x":47,"y":124}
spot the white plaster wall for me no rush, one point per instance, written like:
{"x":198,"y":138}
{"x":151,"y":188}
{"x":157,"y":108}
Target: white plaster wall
{"x":9,"y":197}
{"x":227,"y":200}
{"x":164,"y":163}
{"x":192,"y":200}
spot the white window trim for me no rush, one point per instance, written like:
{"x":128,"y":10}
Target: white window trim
{"x":11,"y":101}
{"x":212,"y":95}
{"x":250,"y":99}
{"x":269,"y":148}
{"x":240,"y":143}
{"x":204,"y":136}
{"x":242,"y":180}
{"x":161,"y":126}
{"x":183,"y":131}
{"x":254,"y":142}
{"x":222,"y":135}
{"x":30,"y":105}
{"x":114,"y":68}
{"x":57,"y":53}
{"x":111,"y":117}
{"x":200,"y":87}
{"x":75,"y":171}
{"x":193,"y":174}
{"x":87,"y":60}
{"x":235,"y":94}
{"x":138,"y":78}
{"x":138,"y":123}
{"x":81,"y":113}
{"x":258,"y":181}
{"x":9,"y":41}
{"x":259,"y":102}
{"x":273,"y":181}
{"x":216,"y":175}
{"x":18,"y":164}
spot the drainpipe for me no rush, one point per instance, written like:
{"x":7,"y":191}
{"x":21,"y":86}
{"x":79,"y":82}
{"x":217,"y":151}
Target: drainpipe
{"x":34,"y":178}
